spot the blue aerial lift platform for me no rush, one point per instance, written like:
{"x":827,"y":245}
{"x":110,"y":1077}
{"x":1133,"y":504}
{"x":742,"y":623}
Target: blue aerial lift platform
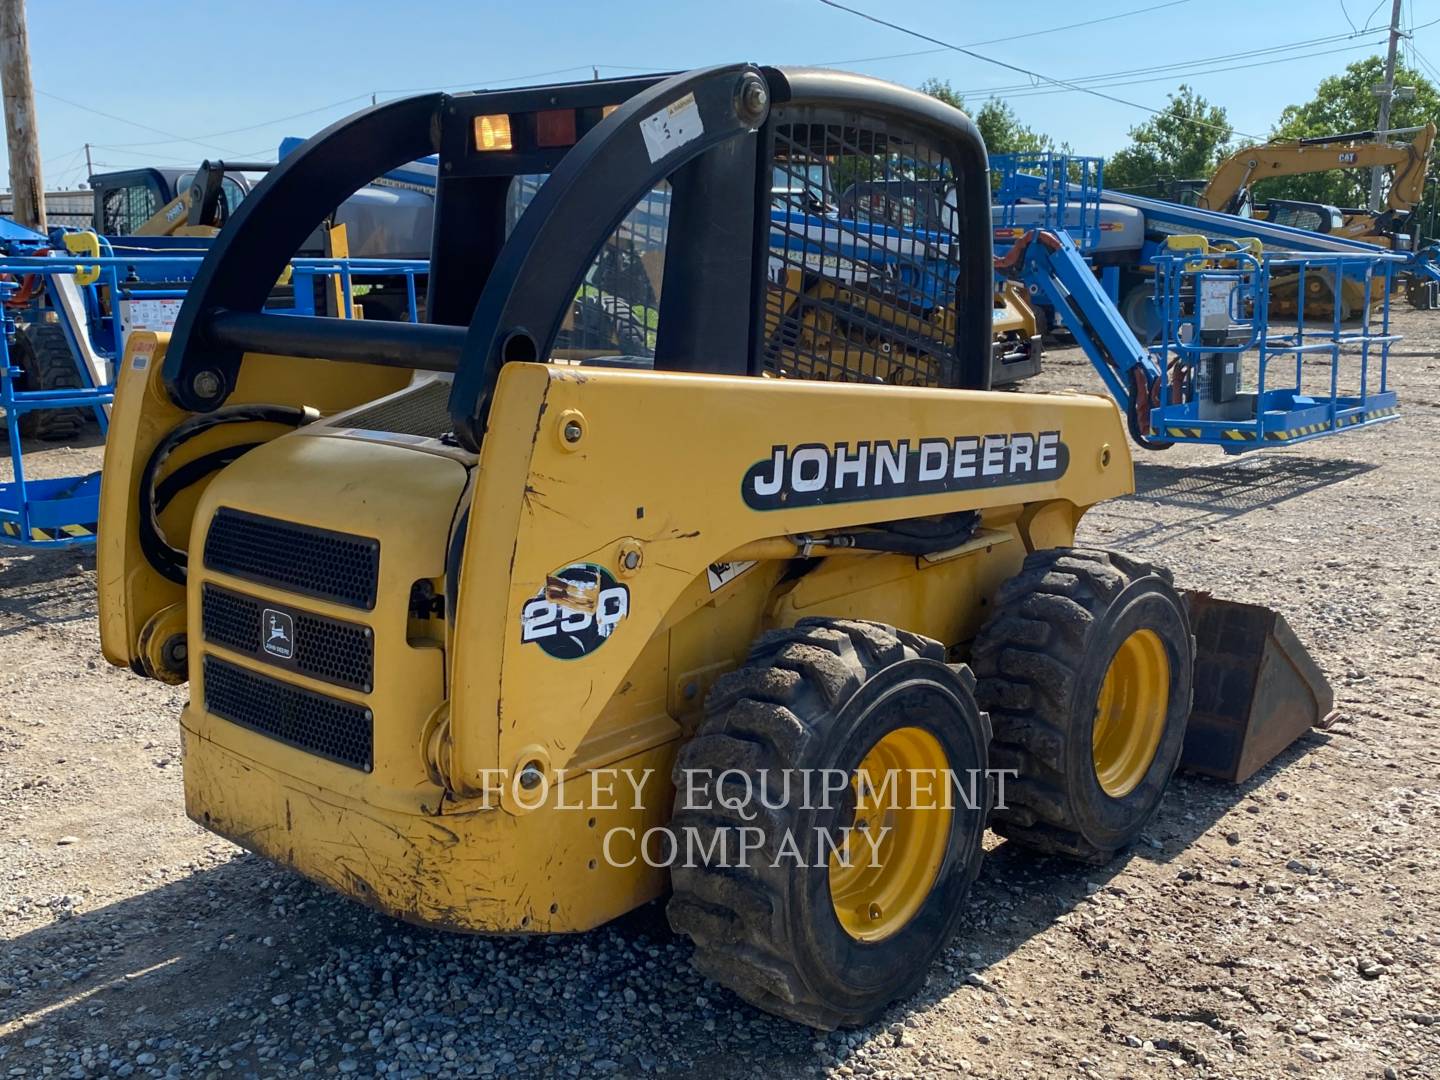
{"x":1223,"y":369}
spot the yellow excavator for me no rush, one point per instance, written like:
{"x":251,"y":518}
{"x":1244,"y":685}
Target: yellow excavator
{"x":1230,"y":189}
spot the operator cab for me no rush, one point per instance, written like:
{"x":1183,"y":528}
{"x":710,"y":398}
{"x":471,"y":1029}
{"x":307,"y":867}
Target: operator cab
{"x":1315,"y":217}
{"x":773,"y":280}
{"x":124,"y":201}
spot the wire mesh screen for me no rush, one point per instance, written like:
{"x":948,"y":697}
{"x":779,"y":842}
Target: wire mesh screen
{"x":864,"y":255}
{"x":72,"y":208}
{"x":616,"y":311}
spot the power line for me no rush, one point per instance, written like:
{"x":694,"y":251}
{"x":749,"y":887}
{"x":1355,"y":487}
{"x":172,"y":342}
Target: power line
{"x":250,"y":127}
{"x":150,"y":155}
{"x":1226,"y":130}
{"x":1012,"y":37}
{"x":474,"y":84}
{"x":123,"y":120}
{"x":1178,"y":66}
{"x":1417,"y":55}
{"x":200,"y":140}
{"x":63,"y":154}
{"x":1040,"y":92}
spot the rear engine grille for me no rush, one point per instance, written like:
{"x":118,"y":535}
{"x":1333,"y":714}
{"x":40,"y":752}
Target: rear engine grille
{"x":422,"y":411}
{"x":326,"y":649}
{"x":299,"y":558}
{"x":230,"y":619}
{"x":309,"y":721}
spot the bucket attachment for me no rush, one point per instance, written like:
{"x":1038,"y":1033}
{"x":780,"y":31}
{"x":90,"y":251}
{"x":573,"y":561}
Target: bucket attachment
{"x":1257,"y":689}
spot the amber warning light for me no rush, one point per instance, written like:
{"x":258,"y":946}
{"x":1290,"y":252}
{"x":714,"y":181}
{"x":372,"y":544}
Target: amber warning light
{"x":493,"y":132}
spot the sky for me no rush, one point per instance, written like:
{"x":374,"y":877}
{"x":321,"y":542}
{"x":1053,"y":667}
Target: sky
{"x":173,"y":83}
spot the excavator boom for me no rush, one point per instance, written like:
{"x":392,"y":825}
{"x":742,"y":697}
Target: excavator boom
{"x":1228,"y":189}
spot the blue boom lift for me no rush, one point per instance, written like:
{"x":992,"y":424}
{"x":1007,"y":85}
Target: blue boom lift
{"x":1221,"y":367}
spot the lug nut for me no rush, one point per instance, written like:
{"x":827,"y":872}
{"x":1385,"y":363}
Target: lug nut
{"x":531,"y":777}
{"x":573,"y":431}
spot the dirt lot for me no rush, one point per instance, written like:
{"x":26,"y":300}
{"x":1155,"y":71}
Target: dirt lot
{"x":1288,"y":926}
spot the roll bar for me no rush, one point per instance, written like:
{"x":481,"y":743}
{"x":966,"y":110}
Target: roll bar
{"x":493,"y":297}
{"x":251,"y":252}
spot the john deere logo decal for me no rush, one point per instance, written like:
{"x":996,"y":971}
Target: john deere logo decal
{"x":575,"y":612}
{"x":277,"y":633}
{"x":814,"y":474}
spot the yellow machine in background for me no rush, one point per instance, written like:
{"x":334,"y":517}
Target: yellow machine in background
{"x":498,"y":634}
{"x":203,"y":207}
{"x":1230,"y":188}
{"x":1019,"y":335}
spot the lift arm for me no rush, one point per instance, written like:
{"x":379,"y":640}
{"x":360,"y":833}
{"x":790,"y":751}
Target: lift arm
{"x":1050,"y":263}
{"x":202,"y":204}
{"x":1234,"y":177}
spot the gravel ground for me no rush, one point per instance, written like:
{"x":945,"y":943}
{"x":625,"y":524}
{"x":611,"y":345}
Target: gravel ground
{"x":1287,"y":926}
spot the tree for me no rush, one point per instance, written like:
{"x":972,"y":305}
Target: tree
{"x":1342,"y":103}
{"x":999,"y":126}
{"x":1183,"y":142}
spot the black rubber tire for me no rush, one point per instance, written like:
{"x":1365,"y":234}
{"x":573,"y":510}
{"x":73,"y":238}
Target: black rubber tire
{"x":1039,"y":662}
{"x":818,"y":696}
{"x":1137,"y":308}
{"x":42,"y":353}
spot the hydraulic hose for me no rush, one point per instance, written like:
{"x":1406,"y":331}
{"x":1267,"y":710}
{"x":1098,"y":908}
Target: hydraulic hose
{"x":169,"y":561}
{"x":913,"y":536}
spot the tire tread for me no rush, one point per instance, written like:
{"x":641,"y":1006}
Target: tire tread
{"x":734,"y":915}
{"x":1026,"y":685}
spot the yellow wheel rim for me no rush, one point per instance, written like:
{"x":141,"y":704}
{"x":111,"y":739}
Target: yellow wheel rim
{"x":891,"y":853}
{"x":1130,"y":712}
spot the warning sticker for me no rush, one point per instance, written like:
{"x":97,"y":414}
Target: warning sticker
{"x":721,"y":574}
{"x":671,"y":127}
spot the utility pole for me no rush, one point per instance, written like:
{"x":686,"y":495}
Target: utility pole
{"x":26,"y":185}
{"x":1386,"y":93}
{"x":89,"y":166}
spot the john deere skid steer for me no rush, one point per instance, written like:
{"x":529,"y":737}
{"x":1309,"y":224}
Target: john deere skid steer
{"x":684,"y":550}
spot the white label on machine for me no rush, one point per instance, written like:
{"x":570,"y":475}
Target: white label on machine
{"x":671,"y":127}
{"x":1215,"y":302}
{"x":721,"y":574}
{"x":159,"y":315}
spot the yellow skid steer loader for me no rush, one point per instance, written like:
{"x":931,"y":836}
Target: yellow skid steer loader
{"x":498,"y":624}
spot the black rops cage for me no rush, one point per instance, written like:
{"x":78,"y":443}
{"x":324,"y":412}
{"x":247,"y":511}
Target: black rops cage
{"x":738,"y":220}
